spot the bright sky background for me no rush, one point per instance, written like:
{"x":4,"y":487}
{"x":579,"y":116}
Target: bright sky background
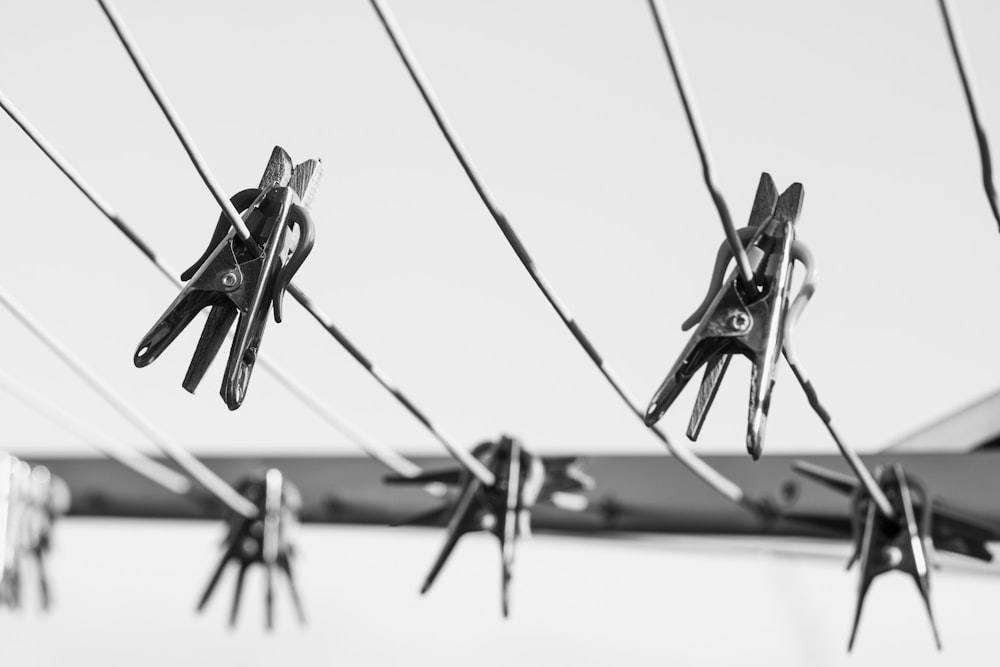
{"x":569,"y":111}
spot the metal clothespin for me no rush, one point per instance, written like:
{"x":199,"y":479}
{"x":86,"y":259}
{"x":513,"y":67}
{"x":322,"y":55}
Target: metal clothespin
{"x":264,"y":540}
{"x":952,"y":529}
{"x":883,"y":545}
{"x":504,"y":509}
{"x":922,"y":524}
{"x":242,"y":279}
{"x":740,"y":318}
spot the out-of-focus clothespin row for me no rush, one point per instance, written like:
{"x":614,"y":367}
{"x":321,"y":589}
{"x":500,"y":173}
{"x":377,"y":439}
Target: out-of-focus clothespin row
{"x":267,"y":540}
{"x":31,"y":500}
{"x":503,"y":509}
{"x":242,"y":280}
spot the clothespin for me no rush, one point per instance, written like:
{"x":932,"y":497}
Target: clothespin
{"x":952,"y":529}
{"x":741,"y":318}
{"x":47,"y":499}
{"x":242,"y":279}
{"x":883,"y":545}
{"x":264,"y":540}
{"x":905,"y":543}
{"x":11,"y":508}
{"x":504,"y":509}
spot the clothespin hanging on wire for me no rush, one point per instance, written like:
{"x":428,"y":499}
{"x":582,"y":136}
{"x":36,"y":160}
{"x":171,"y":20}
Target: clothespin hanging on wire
{"x":504,"y":509}
{"x":883,"y":545}
{"x":265,"y":540}
{"x":907,"y":541}
{"x":242,"y":279}
{"x":741,"y":318}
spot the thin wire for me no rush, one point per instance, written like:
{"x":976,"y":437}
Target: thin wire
{"x":705,"y":472}
{"x":211,"y":481}
{"x":666,"y":36}
{"x":984,"y":147}
{"x":380,"y":452}
{"x":104,"y":443}
{"x":171,"y":114}
{"x":466,"y":459}
{"x":791,"y":319}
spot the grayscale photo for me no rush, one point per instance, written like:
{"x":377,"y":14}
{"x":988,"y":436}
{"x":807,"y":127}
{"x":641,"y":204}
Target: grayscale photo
{"x":537,"y":332}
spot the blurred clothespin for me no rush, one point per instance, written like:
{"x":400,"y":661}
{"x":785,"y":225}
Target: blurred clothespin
{"x":504,"y":509}
{"x":741,"y":318}
{"x":883,"y":545}
{"x":952,"y":529}
{"x":905,"y":543}
{"x":31,"y":500}
{"x":12,"y":475}
{"x":265,"y":540}
{"x":48,"y":499}
{"x":242,"y":279}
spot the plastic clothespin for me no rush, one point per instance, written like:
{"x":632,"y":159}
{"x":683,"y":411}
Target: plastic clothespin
{"x":522,"y":480}
{"x":242,"y":279}
{"x":905,"y":543}
{"x":264,"y":540}
{"x":737,"y":318}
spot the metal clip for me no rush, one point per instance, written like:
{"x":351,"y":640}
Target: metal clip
{"x":952,"y":529}
{"x":504,"y":509}
{"x":263,"y":540}
{"x":242,"y":278}
{"x":922,"y":524}
{"x":737,"y":318}
{"x":31,"y":500}
{"x":11,"y":509}
{"x":883,"y":545}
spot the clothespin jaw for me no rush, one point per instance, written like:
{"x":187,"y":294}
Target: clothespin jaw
{"x":885,"y":544}
{"x":264,"y":540}
{"x":242,"y":279}
{"x":741,"y":318}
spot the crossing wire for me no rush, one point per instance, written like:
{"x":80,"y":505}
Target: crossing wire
{"x":191,"y":465}
{"x":378,"y":451}
{"x":111,"y":447}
